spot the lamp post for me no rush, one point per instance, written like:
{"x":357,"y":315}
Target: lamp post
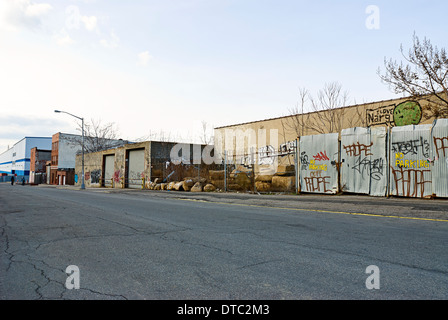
{"x":82,"y":121}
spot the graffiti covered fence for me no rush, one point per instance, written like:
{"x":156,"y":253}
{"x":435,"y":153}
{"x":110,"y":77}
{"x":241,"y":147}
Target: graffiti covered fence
{"x":318,"y":163}
{"x":363,"y":161}
{"x":407,"y":161}
{"x":440,"y":156}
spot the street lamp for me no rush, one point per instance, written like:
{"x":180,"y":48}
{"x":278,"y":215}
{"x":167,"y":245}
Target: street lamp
{"x":82,"y":121}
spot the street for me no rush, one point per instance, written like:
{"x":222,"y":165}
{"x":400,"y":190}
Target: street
{"x":143,"y":244}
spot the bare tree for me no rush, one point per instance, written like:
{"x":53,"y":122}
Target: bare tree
{"x":295,"y":121}
{"x":327,"y":113}
{"x":206,"y":137}
{"x":423,"y":76}
{"x":98,"y":136}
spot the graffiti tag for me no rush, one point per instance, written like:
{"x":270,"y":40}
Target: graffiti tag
{"x":321,"y":156}
{"x":412,"y":147}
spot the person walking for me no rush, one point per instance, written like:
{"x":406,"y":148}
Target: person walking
{"x":12,"y":180}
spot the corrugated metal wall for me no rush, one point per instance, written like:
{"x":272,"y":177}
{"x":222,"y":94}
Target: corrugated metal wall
{"x":410,"y":168}
{"x":407,"y":161}
{"x":318,"y":163}
{"x":364,"y":161}
{"x":439,"y":139}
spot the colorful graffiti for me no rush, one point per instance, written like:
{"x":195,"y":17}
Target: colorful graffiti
{"x":405,"y":113}
{"x":321,"y":156}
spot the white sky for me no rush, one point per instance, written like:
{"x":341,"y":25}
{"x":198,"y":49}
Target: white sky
{"x":158,"y":65}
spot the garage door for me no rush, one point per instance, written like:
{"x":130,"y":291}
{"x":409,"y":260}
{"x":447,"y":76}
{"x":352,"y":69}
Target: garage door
{"x":135,"y":168}
{"x":108,"y":170}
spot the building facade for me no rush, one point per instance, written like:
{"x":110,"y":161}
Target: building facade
{"x":38,"y":162}
{"x":259,"y":139}
{"x":134,"y":165}
{"x":64,"y":148}
{"x":380,"y":148}
{"x":16,"y":161}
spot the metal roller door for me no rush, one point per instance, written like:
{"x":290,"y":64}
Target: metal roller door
{"x":135,"y":168}
{"x":108,"y":170}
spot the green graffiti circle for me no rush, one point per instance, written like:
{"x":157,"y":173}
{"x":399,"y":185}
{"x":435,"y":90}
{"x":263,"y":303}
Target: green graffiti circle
{"x":406,"y":113}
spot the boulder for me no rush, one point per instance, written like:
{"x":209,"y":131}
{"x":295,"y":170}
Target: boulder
{"x":262,"y":186}
{"x":157,"y":187}
{"x":218,"y":183}
{"x":209,"y":187}
{"x":197,"y":179}
{"x":243,"y":180}
{"x":187,"y":184}
{"x":280,"y":183}
{"x":197,"y":187}
{"x":163,"y":186}
{"x":170,"y":185}
{"x":178,"y":186}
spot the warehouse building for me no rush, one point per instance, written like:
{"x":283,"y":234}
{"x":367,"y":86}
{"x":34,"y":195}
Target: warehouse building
{"x":16,"y":160}
{"x":64,"y":148}
{"x":38,"y":165}
{"x":135,"y":165}
{"x":334,"y":150}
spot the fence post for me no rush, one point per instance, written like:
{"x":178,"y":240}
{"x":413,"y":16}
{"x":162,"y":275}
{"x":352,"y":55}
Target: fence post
{"x":296,"y":165}
{"x":252,"y":160}
{"x":225,"y":170}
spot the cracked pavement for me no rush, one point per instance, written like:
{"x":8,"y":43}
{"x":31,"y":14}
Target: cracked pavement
{"x":133,"y":245}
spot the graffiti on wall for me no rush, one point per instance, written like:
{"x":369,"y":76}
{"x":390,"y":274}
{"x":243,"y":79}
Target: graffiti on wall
{"x":316,"y":179}
{"x":441,"y":146}
{"x":405,"y":113}
{"x":117,"y":176}
{"x":357,"y":149}
{"x":364,"y":165}
{"x":268,"y":154}
{"x":317,"y":183}
{"x":95,"y":176}
{"x":413,"y":146}
{"x":410,"y":182}
{"x":411,"y":177}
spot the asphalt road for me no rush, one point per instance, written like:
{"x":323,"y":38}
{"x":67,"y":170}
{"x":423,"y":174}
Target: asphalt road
{"x":161,"y":245}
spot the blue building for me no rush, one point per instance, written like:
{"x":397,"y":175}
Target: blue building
{"x":16,"y":160}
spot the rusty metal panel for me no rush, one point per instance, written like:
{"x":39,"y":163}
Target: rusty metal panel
{"x":410,"y":170}
{"x":439,"y":158}
{"x":319,"y":155}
